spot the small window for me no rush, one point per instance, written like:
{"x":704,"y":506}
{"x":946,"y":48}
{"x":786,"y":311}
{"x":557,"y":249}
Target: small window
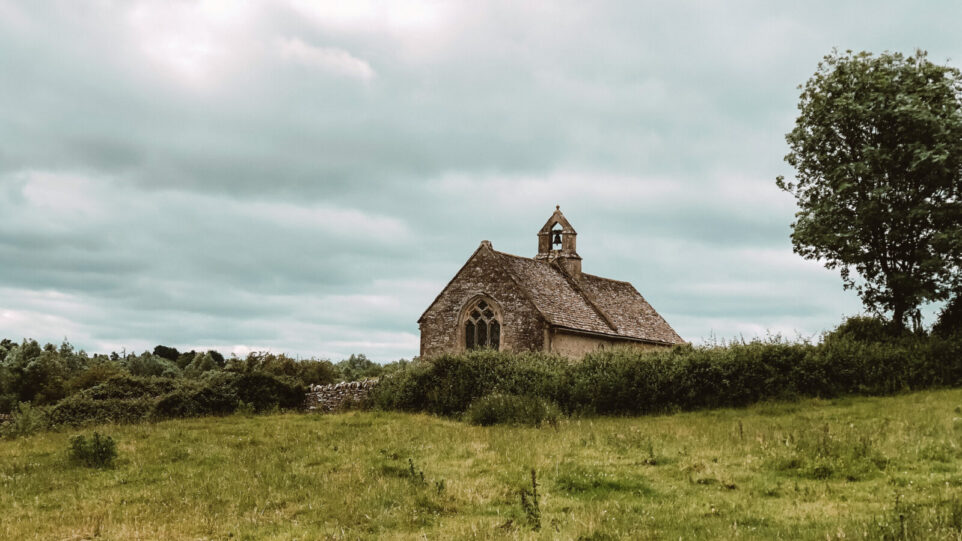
{"x":481,"y":327}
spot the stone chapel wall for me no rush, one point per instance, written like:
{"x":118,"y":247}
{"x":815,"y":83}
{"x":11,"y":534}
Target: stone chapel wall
{"x":522,"y":327}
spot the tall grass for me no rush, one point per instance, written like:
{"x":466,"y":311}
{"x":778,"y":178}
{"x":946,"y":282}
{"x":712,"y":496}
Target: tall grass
{"x":851,"y":468}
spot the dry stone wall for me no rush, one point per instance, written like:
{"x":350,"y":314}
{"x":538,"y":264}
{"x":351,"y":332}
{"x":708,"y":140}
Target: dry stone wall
{"x":338,"y":396}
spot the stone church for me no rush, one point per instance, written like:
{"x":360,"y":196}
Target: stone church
{"x":546,"y":303}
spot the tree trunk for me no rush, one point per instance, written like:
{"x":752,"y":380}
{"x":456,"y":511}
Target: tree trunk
{"x":898,"y":317}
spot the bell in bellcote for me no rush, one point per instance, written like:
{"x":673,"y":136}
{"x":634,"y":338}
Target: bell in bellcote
{"x":557,"y":239}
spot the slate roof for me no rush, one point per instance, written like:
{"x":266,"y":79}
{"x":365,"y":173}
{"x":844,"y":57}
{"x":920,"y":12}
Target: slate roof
{"x":591,"y":304}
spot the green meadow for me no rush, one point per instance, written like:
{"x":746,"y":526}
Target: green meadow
{"x":850,"y":468}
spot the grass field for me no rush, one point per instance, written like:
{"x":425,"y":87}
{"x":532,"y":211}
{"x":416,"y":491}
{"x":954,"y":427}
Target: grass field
{"x":850,"y":468}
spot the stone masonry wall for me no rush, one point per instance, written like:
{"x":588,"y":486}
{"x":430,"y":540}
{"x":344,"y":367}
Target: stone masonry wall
{"x":522,"y":328}
{"x":338,"y":396}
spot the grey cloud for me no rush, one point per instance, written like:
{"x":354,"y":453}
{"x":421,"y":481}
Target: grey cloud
{"x":207,"y":181}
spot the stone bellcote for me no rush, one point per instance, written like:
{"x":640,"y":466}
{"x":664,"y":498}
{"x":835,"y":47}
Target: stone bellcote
{"x":557,"y":243}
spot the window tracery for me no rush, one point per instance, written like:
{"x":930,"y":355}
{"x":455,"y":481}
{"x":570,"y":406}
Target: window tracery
{"x":482,"y":328}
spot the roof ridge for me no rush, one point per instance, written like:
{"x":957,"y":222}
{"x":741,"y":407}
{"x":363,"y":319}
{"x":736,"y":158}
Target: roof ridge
{"x":607,"y":279}
{"x":513,"y":255}
{"x":587,"y":297}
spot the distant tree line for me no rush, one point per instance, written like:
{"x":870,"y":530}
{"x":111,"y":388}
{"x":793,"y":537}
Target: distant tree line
{"x":48,"y":374}
{"x":50,"y":386}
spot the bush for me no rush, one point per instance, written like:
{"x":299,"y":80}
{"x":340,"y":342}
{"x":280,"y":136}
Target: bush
{"x":151,"y":365}
{"x":265,"y":391}
{"x":244,"y":409}
{"x":220,"y":393}
{"x":855,"y":359}
{"x":950,"y":319}
{"x":78,"y":410}
{"x":27,"y":419}
{"x":512,"y":409}
{"x":358,"y":367}
{"x":95,"y":374}
{"x":862,"y":329}
{"x":97,"y":452}
{"x":185,"y":402}
{"x":447,"y":384}
{"x":307,"y":372}
{"x":128,"y":387}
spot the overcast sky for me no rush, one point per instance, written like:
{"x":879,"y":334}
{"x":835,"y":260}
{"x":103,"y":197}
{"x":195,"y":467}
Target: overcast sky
{"x":305,"y":178}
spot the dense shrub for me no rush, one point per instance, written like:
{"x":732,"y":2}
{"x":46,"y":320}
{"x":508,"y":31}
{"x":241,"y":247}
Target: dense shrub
{"x":30,"y":373}
{"x":96,"y":373}
{"x":307,"y":372}
{"x":162,"y":384}
{"x":27,"y":419}
{"x":178,"y":403}
{"x":950,"y":319}
{"x":852,"y":360}
{"x":500,"y":408}
{"x":80,"y":409}
{"x":264,"y":391}
{"x":97,"y":452}
{"x":202,"y":363}
{"x":126,"y":399}
{"x":447,"y":384}
{"x":358,"y":367}
{"x":212,"y":398}
{"x":863,"y":329}
{"x":151,"y":365}
{"x":125,"y":386}
{"x":168,"y":353}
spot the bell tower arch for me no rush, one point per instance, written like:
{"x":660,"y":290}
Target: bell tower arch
{"x":557,"y":241}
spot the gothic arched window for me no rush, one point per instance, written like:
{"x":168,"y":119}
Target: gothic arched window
{"x":482,"y":328}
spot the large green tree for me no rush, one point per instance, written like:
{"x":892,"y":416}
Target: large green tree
{"x":877,"y":149}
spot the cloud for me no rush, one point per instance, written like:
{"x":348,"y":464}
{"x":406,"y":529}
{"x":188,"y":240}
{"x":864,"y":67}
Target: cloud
{"x":331,"y":59}
{"x":305,"y":176}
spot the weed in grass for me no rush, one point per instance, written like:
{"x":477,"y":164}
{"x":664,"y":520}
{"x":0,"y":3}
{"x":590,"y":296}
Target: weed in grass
{"x":596,"y":482}
{"x":597,"y":536}
{"x":416,"y":475}
{"x":530,"y":503}
{"x":821,"y":453}
{"x":938,"y":452}
{"x":920,"y":520}
{"x":772,"y":491}
{"x":651,"y":459}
